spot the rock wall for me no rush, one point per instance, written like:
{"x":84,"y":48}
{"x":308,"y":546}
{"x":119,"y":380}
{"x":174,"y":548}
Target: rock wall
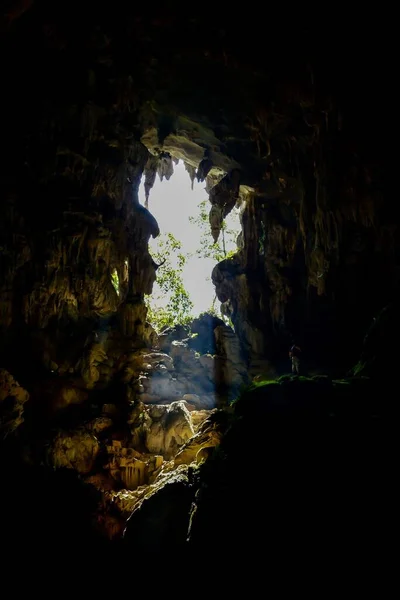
{"x":318,"y":255}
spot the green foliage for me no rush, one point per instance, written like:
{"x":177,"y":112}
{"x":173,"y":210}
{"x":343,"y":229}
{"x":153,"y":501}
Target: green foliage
{"x":178,"y":307}
{"x":216,"y":312}
{"x":225,"y":248}
{"x":218,"y":251}
{"x":168,"y":253}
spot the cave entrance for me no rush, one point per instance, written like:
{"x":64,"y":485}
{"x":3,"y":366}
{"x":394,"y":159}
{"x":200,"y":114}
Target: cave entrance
{"x":184,"y":289}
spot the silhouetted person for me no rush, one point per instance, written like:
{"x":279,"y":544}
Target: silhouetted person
{"x":295,"y":355}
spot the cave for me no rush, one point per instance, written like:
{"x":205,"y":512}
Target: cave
{"x":124,"y":443}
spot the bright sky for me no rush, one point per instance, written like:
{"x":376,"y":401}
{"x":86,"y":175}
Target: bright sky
{"x":172,"y":203}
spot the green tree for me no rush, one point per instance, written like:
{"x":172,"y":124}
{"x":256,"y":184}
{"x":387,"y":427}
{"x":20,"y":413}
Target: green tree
{"x":170,"y":304}
{"x":224,"y":248}
{"x":226,"y":245}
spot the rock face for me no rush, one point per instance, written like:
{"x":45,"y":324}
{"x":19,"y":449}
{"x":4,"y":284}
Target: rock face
{"x":12,"y":400}
{"x":316,"y":238}
{"x":170,"y":428}
{"x":208,"y":436}
{"x":74,"y":450}
{"x":162,"y":520}
{"x":130,"y":467}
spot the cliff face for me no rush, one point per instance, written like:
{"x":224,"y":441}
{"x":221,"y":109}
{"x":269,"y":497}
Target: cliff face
{"x":281,"y":127}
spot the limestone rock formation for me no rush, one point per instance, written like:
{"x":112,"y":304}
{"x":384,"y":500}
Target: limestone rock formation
{"x":171,"y":334}
{"x":12,"y":400}
{"x":204,"y":167}
{"x":129,"y":467}
{"x":150,"y":172}
{"x":165,"y":166}
{"x":223,"y":197}
{"x":207,"y":437}
{"x":74,"y":450}
{"x":168,"y":428}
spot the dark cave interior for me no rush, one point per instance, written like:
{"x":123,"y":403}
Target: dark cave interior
{"x":119,"y":442}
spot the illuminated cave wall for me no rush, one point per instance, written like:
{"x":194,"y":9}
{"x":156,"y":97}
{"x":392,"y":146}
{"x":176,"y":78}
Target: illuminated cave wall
{"x":88,"y":98}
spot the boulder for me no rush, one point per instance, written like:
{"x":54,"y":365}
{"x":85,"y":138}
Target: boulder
{"x":157,"y":359}
{"x":181,"y":352}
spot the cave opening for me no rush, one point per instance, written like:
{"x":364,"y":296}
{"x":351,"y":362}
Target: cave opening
{"x":185,"y":252}
{"x":114,"y":434}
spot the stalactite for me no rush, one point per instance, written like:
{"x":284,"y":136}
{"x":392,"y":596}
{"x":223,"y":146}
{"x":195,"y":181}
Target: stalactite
{"x":165,"y":166}
{"x":204,"y":167}
{"x":191,"y":171}
{"x":150,"y":172}
{"x":223,"y":197}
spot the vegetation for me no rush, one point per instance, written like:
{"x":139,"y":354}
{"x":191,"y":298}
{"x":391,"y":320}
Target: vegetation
{"x":168,"y":253}
{"x":169,"y":278}
{"x":220,"y":250}
{"x":217,"y":251}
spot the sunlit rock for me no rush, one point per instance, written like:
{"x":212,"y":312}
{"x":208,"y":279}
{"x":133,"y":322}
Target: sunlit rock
{"x":129,"y":467}
{"x":169,"y":428}
{"x":208,"y":435}
{"x":198,"y":416}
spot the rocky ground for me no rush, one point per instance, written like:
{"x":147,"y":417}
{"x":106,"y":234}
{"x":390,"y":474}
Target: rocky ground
{"x":286,"y":472}
{"x":129,"y":421}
